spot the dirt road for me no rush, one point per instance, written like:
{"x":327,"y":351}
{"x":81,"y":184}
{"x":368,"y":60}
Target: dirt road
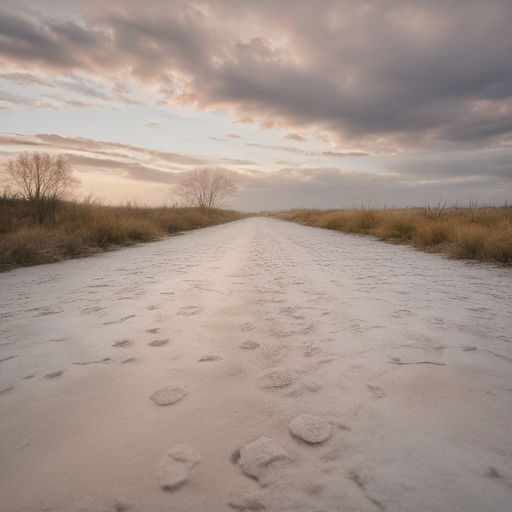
{"x":404,"y":358}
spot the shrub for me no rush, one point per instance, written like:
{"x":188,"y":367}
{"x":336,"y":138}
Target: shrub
{"x":481,"y":233}
{"x":89,"y":226}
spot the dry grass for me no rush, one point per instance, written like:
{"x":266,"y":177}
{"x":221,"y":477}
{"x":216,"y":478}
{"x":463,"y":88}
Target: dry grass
{"x":80,"y":228}
{"x":483,"y":234}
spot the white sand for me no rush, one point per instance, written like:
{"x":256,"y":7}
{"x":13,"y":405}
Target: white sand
{"x":337,"y":323}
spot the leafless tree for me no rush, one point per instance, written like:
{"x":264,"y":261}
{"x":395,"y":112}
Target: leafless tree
{"x":206,"y":188}
{"x":41,"y":178}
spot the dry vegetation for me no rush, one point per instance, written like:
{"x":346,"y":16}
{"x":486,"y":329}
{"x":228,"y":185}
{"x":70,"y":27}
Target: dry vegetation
{"x":480,"y":233}
{"x":71,"y":229}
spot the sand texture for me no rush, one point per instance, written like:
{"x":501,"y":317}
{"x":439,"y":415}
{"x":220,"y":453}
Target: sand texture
{"x":307,"y":370}
{"x":175,"y":466}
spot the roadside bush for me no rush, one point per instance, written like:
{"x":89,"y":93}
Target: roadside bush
{"x":483,"y":233}
{"x":79,"y":228}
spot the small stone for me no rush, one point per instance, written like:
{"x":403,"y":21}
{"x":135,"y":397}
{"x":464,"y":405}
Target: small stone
{"x":279,"y":379}
{"x":311,"y":429}
{"x":248,"y":345}
{"x":158,"y":343}
{"x":209,"y":358}
{"x":174,"y":467}
{"x":256,"y":457}
{"x":53,"y":375}
{"x":169,"y":395}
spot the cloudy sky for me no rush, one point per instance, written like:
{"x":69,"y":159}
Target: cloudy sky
{"x":324,"y":103}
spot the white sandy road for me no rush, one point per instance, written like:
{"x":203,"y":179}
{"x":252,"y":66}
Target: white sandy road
{"x":342,"y":323}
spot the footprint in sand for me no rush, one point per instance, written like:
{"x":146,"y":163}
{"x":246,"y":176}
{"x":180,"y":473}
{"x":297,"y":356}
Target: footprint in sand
{"x":53,"y":375}
{"x":130,"y":360}
{"x":5,"y":390}
{"x":153,"y":331}
{"x":209,"y":358}
{"x":175,"y":466}
{"x":121,"y":320}
{"x":248,"y":327}
{"x":278,"y":379}
{"x":311,"y":429}
{"x":169,"y":395}
{"x":249,"y":345}
{"x":246,"y":503}
{"x":158,"y":343}
{"x":7,"y":358}
{"x":123,"y":343}
{"x":188,"y":311}
{"x":255,"y":458}
{"x":376,"y":390}
{"x":311,"y":350}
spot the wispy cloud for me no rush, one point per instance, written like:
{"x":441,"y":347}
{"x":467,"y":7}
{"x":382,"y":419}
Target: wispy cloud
{"x":291,"y":149}
{"x":154,"y":124}
{"x":295,"y":136}
{"x":406,"y":181}
{"x":94,"y":154}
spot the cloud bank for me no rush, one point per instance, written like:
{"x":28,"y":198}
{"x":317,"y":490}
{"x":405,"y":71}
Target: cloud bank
{"x":379,"y":76}
{"x":122,"y":171}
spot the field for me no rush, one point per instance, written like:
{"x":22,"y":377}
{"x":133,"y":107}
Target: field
{"x":479,"y":233}
{"x":77,"y":228}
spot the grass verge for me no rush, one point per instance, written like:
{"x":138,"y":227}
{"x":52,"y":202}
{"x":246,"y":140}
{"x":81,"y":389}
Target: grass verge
{"x":81,"y":228}
{"x":483,"y":234}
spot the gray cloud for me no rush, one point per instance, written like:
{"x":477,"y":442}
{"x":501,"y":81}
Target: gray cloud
{"x":331,"y":187}
{"x":454,"y":176}
{"x":117,"y":153}
{"x":295,"y":136}
{"x":142,"y":173}
{"x":25,"y":79}
{"x":414,"y":74}
{"x":291,"y":149}
{"x":79,"y":104}
{"x":130,"y":170}
{"x":424,"y":81}
{"x":154,"y":124}
{"x":15,"y":99}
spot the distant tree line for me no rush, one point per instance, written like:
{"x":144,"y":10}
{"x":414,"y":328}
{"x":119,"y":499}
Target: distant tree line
{"x":44,"y":180}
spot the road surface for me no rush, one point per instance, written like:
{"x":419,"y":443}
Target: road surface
{"x":405,"y":357}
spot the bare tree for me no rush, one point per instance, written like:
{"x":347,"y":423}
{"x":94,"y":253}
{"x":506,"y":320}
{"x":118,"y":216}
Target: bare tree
{"x":41,"y":178}
{"x":206,"y":188}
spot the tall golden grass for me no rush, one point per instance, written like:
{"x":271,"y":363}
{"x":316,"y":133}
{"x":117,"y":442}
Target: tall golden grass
{"x":483,"y":234}
{"x":79,"y":228}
